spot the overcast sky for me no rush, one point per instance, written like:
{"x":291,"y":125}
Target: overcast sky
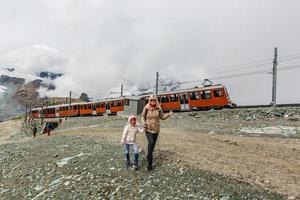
{"x":99,"y":44}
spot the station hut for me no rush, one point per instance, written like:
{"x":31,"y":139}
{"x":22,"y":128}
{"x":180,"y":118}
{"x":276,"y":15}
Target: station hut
{"x":134,"y":105}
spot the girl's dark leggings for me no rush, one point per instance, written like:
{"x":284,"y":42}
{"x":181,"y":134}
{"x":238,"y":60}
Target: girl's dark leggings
{"x":151,"y":144}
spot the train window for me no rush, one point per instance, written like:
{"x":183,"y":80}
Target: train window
{"x":120,"y":103}
{"x":126,"y":102}
{"x":93,"y":107}
{"x":89,"y":106}
{"x":218,"y":93}
{"x":194,"y":96}
{"x":173,"y":98}
{"x":85,"y":107}
{"x":183,"y":98}
{"x":206,"y":94}
{"x":98,"y":105}
{"x":107,"y":105}
{"x":112,"y":104}
{"x":81,"y":107}
{"x":158,"y":98}
{"x":164,"y":99}
{"x":75,"y":107}
{"x":103,"y":105}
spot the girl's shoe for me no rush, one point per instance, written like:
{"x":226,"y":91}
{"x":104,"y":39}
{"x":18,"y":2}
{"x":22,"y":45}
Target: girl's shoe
{"x":128,"y":164}
{"x":135,"y":166}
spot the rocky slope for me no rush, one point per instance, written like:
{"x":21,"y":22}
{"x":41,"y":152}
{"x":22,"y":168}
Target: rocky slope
{"x":76,"y":168}
{"x":199,"y":155}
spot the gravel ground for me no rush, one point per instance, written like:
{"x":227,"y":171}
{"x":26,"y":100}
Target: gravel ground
{"x":71,"y":167}
{"x":208,"y":153}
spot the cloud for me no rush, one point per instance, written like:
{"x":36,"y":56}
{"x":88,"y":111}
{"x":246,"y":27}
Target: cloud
{"x":99,"y":45}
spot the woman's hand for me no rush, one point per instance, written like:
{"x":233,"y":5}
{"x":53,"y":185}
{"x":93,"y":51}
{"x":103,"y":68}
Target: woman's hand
{"x":170,"y":113}
{"x":144,"y":126}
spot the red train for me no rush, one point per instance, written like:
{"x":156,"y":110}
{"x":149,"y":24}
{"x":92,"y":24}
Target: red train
{"x":215,"y":96}
{"x":97,"y":108}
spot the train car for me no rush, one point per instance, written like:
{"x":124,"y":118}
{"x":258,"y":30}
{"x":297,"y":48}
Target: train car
{"x":116,"y":105}
{"x":34,"y":113}
{"x":66,"y":110}
{"x":214,"y":96}
{"x":85,"y":109}
{"x":98,"y":108}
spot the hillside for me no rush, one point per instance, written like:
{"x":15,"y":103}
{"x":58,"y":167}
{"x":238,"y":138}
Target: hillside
{"x":199,"y":155}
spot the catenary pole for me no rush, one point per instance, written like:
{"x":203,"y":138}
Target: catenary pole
{"x":156,"y":86}
{"x":274,"y":85}
{"x":70,"y":103}
{"x":122,"y":90}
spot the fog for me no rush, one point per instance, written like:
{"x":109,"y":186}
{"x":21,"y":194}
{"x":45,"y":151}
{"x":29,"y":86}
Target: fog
{"x":99,"y":45}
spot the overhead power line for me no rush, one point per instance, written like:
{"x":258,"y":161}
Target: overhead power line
{"x":290,"y":67}
{"x":253,"y":64}
{"x":242,"y":74}
{"x":237,"y":69}
{"x":292,"y":58}
{"x":291,"y":55}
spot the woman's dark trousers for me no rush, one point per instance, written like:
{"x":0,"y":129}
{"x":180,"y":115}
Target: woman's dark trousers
{"x":151,"y":144}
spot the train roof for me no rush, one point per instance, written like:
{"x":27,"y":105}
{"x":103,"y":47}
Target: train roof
{"x":188,"y":90}
{"x":80,"y":103}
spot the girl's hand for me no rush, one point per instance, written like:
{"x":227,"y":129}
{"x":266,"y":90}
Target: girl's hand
{"x":170,"y":113}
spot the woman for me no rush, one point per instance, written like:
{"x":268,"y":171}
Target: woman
{"x":151,"y":115}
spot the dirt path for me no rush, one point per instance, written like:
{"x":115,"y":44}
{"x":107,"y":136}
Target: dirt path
{"x":8,"y":129}
{"x":273,"y":163}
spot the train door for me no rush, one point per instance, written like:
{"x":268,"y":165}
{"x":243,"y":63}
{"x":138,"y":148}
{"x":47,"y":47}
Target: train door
{"x":94,"y":112}
{"x":40,"y":113}
{"x":107,"y":106}
{"x":184,"y":101}
{"x":57,"y":112}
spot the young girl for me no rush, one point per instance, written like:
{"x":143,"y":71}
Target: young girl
{"x":129,"y":140}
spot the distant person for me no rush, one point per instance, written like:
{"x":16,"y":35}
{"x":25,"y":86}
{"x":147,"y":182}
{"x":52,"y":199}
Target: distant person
{"x":34,"y":129}
{"x":129,"y":140}
{"x":151,"y":115}
{"x":49,"y":128}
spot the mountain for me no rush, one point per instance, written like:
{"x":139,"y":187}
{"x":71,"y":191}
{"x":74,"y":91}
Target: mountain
{"x":8,"y":106}
{"x":50,"y":75}
{"x":13,"y":80}
{"x":16,"y":94}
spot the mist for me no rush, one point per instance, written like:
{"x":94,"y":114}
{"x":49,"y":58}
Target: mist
{"x":99,"y":45}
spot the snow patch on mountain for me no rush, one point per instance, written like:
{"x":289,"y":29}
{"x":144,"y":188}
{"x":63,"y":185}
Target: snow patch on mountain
{"x":3,"y":91}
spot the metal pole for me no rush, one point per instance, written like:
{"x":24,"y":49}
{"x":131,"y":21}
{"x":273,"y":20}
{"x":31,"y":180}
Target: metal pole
{"x":122,"y":90}
{"x":156,"y":87}
{"x":70,"y":103}
{"x":274,"y":78}
{"x":26,"y":113}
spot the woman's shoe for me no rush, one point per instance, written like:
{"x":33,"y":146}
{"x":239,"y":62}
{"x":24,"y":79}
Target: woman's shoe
{"x":149,"y":168}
